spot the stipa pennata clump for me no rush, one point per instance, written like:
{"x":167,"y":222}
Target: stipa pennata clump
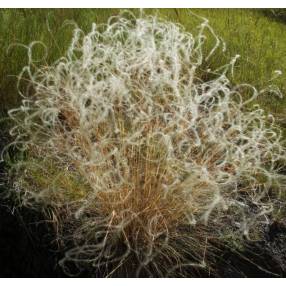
{"x":140,"y":160}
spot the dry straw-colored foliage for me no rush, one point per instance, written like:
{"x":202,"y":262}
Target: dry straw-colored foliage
{"x":140,"y":160}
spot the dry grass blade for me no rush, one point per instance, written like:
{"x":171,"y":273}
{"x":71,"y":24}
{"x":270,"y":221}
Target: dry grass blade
{"x":140,"y":158}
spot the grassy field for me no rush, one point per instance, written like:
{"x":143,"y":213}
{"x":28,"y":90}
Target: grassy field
{"x":253,"y":34}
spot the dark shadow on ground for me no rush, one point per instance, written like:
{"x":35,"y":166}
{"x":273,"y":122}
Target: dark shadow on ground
{"x":26,"y":251}
{"x":24,"y":246}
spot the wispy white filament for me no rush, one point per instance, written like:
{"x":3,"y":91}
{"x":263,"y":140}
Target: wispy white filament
{"x":137,"y":87}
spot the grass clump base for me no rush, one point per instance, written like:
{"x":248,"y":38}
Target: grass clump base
{"x":140,"y":154}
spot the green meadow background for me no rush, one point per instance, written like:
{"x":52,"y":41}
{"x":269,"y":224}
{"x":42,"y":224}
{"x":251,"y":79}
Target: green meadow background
{"x":258,"y":36}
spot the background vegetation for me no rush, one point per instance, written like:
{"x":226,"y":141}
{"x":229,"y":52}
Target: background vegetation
{"x":256,"y":35}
